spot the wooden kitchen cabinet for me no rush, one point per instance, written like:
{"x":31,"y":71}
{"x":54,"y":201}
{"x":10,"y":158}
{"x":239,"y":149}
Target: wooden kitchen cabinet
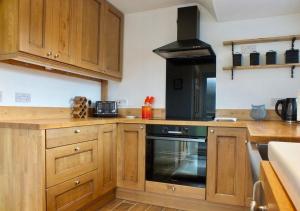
{"x":72,"y":194}
{"x":67,"y":162}
{"x":48,"y":29}
{"x":131,"y":156}
{"x":226,"y":160}
{"x":112,"y":41}
{"x":81,"y":38}
{"x":107,"y":158}
{"x":90,"y":33}
{"x":64,"y":31}
{"x":35,"y":27}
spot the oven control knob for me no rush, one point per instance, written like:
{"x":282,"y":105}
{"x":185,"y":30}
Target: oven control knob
{"x":185,"y":130}
{"x":165,"y":130}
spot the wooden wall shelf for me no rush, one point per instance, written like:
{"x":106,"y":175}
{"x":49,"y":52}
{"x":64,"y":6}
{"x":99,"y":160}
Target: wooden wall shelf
{"x":262,"y":40}
{"x":261,"y":67}
{"x":232,"y":43}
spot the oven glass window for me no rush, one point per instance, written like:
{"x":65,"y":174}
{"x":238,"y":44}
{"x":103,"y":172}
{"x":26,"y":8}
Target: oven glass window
{"x":176,"y":162}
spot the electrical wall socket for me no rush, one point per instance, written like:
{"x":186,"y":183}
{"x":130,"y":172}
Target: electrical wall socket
{"x":122,"y":102}
{"x":22,"y":97}
{"x":247,"y":49}
{"x":274,"y":101}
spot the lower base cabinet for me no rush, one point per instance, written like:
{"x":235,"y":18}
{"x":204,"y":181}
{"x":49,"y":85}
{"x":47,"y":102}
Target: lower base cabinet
{"x":73,"y":194}
{"x":226,"y":165}
{"x":131,"y":156}
{"x":107,"y":158}
{"x":79,"y":173}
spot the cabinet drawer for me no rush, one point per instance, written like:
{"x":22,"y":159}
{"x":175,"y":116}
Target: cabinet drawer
{"x":175,"y":190}
{"x":64,"y":163}
{"x":72,"y":194}
{"x":66,"y":136}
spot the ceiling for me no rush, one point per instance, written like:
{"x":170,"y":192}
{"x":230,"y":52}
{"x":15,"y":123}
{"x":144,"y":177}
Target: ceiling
{"x":223,"y":10}
{"x":132,"y":6}
{"x":227,"y":10}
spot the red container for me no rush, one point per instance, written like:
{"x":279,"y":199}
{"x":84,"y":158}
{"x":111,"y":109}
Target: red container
{"x":147,"y":112}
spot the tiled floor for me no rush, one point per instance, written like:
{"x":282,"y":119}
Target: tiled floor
{"x":124,"y":205}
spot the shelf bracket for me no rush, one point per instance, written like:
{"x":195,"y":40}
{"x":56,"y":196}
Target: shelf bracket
{"x":232,"y":70}
{"x":293,"y":42}
{"x":292,"y":71}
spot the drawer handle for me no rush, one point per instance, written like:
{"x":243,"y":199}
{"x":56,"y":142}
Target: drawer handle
{"x":212,"y":131}
{"x":77,"y":131}
{"x":76,"y":149}
{"x":49,"y":53}
{"x":171,"y":187}
{"x":77,"y":182}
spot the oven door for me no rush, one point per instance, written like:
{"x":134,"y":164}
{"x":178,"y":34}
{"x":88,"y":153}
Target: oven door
{"x":176,"y":160}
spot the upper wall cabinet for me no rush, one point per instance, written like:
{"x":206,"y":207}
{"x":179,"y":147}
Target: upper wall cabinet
{"x":76,"y":37}
{"x":89,"y":35}
{"x":63,"y":31}
{"x":113,"y":38}
{"x":35,"y":27}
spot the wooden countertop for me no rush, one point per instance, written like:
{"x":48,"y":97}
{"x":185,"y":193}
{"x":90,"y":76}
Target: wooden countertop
{"x":40,"y":124}
{"x":265,"y":131}
{"x":259,"y":132}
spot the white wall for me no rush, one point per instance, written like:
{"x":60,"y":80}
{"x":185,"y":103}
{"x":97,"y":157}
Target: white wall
{"x":144,"y":72}
{"x":46,"y":89}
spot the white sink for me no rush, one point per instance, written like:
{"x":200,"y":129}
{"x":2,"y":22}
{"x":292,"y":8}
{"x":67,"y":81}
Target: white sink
{"x":285,"y":159}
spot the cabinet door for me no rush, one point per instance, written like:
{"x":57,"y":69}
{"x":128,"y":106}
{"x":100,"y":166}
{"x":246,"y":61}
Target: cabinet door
{"x":35,"y":27}
{"x":63,"y":163}
{"x":72,"y":194}
{"x":90,"y":25}
{"x":131,"y":156}
{"x":64,"y":30}
{"x":113,"y":41}
{"x":107,"y":147}
{"x":226,"y":165}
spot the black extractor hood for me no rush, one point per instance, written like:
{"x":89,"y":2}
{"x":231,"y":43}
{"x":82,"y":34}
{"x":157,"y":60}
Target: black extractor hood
{"x":188,"y":44}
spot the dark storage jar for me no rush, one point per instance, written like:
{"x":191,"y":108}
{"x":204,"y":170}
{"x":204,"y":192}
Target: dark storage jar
{"x":271,"y":57}
{"x":292,"y":56}
{"x":237,"y":59}
{"x":254,"y":58}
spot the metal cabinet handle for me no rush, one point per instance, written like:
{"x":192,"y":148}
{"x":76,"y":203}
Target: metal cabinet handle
{"x":254,"y":206}
{"x":142,"y":127}
{"x":212,"y":131}
{"x":76,"y":149}
{"x":77,"y":182}
{"x":171,"y":187}
{"x":262,"y":208}
{"x":56,"y":56}
{"x":49,"y":53}
{"x":77,"y":131}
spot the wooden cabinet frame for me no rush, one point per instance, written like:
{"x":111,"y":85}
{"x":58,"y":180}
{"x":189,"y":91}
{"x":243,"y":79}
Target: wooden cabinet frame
{"x":226,"y":161}
{"x":56,"y":35}
{"x":107,"y":158}
{"x":131,"y":156}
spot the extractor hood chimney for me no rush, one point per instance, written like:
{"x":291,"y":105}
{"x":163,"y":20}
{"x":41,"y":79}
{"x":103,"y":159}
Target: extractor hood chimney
{"x":188,"y":44}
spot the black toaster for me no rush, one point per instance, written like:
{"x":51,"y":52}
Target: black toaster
{"x":106,"y":109}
